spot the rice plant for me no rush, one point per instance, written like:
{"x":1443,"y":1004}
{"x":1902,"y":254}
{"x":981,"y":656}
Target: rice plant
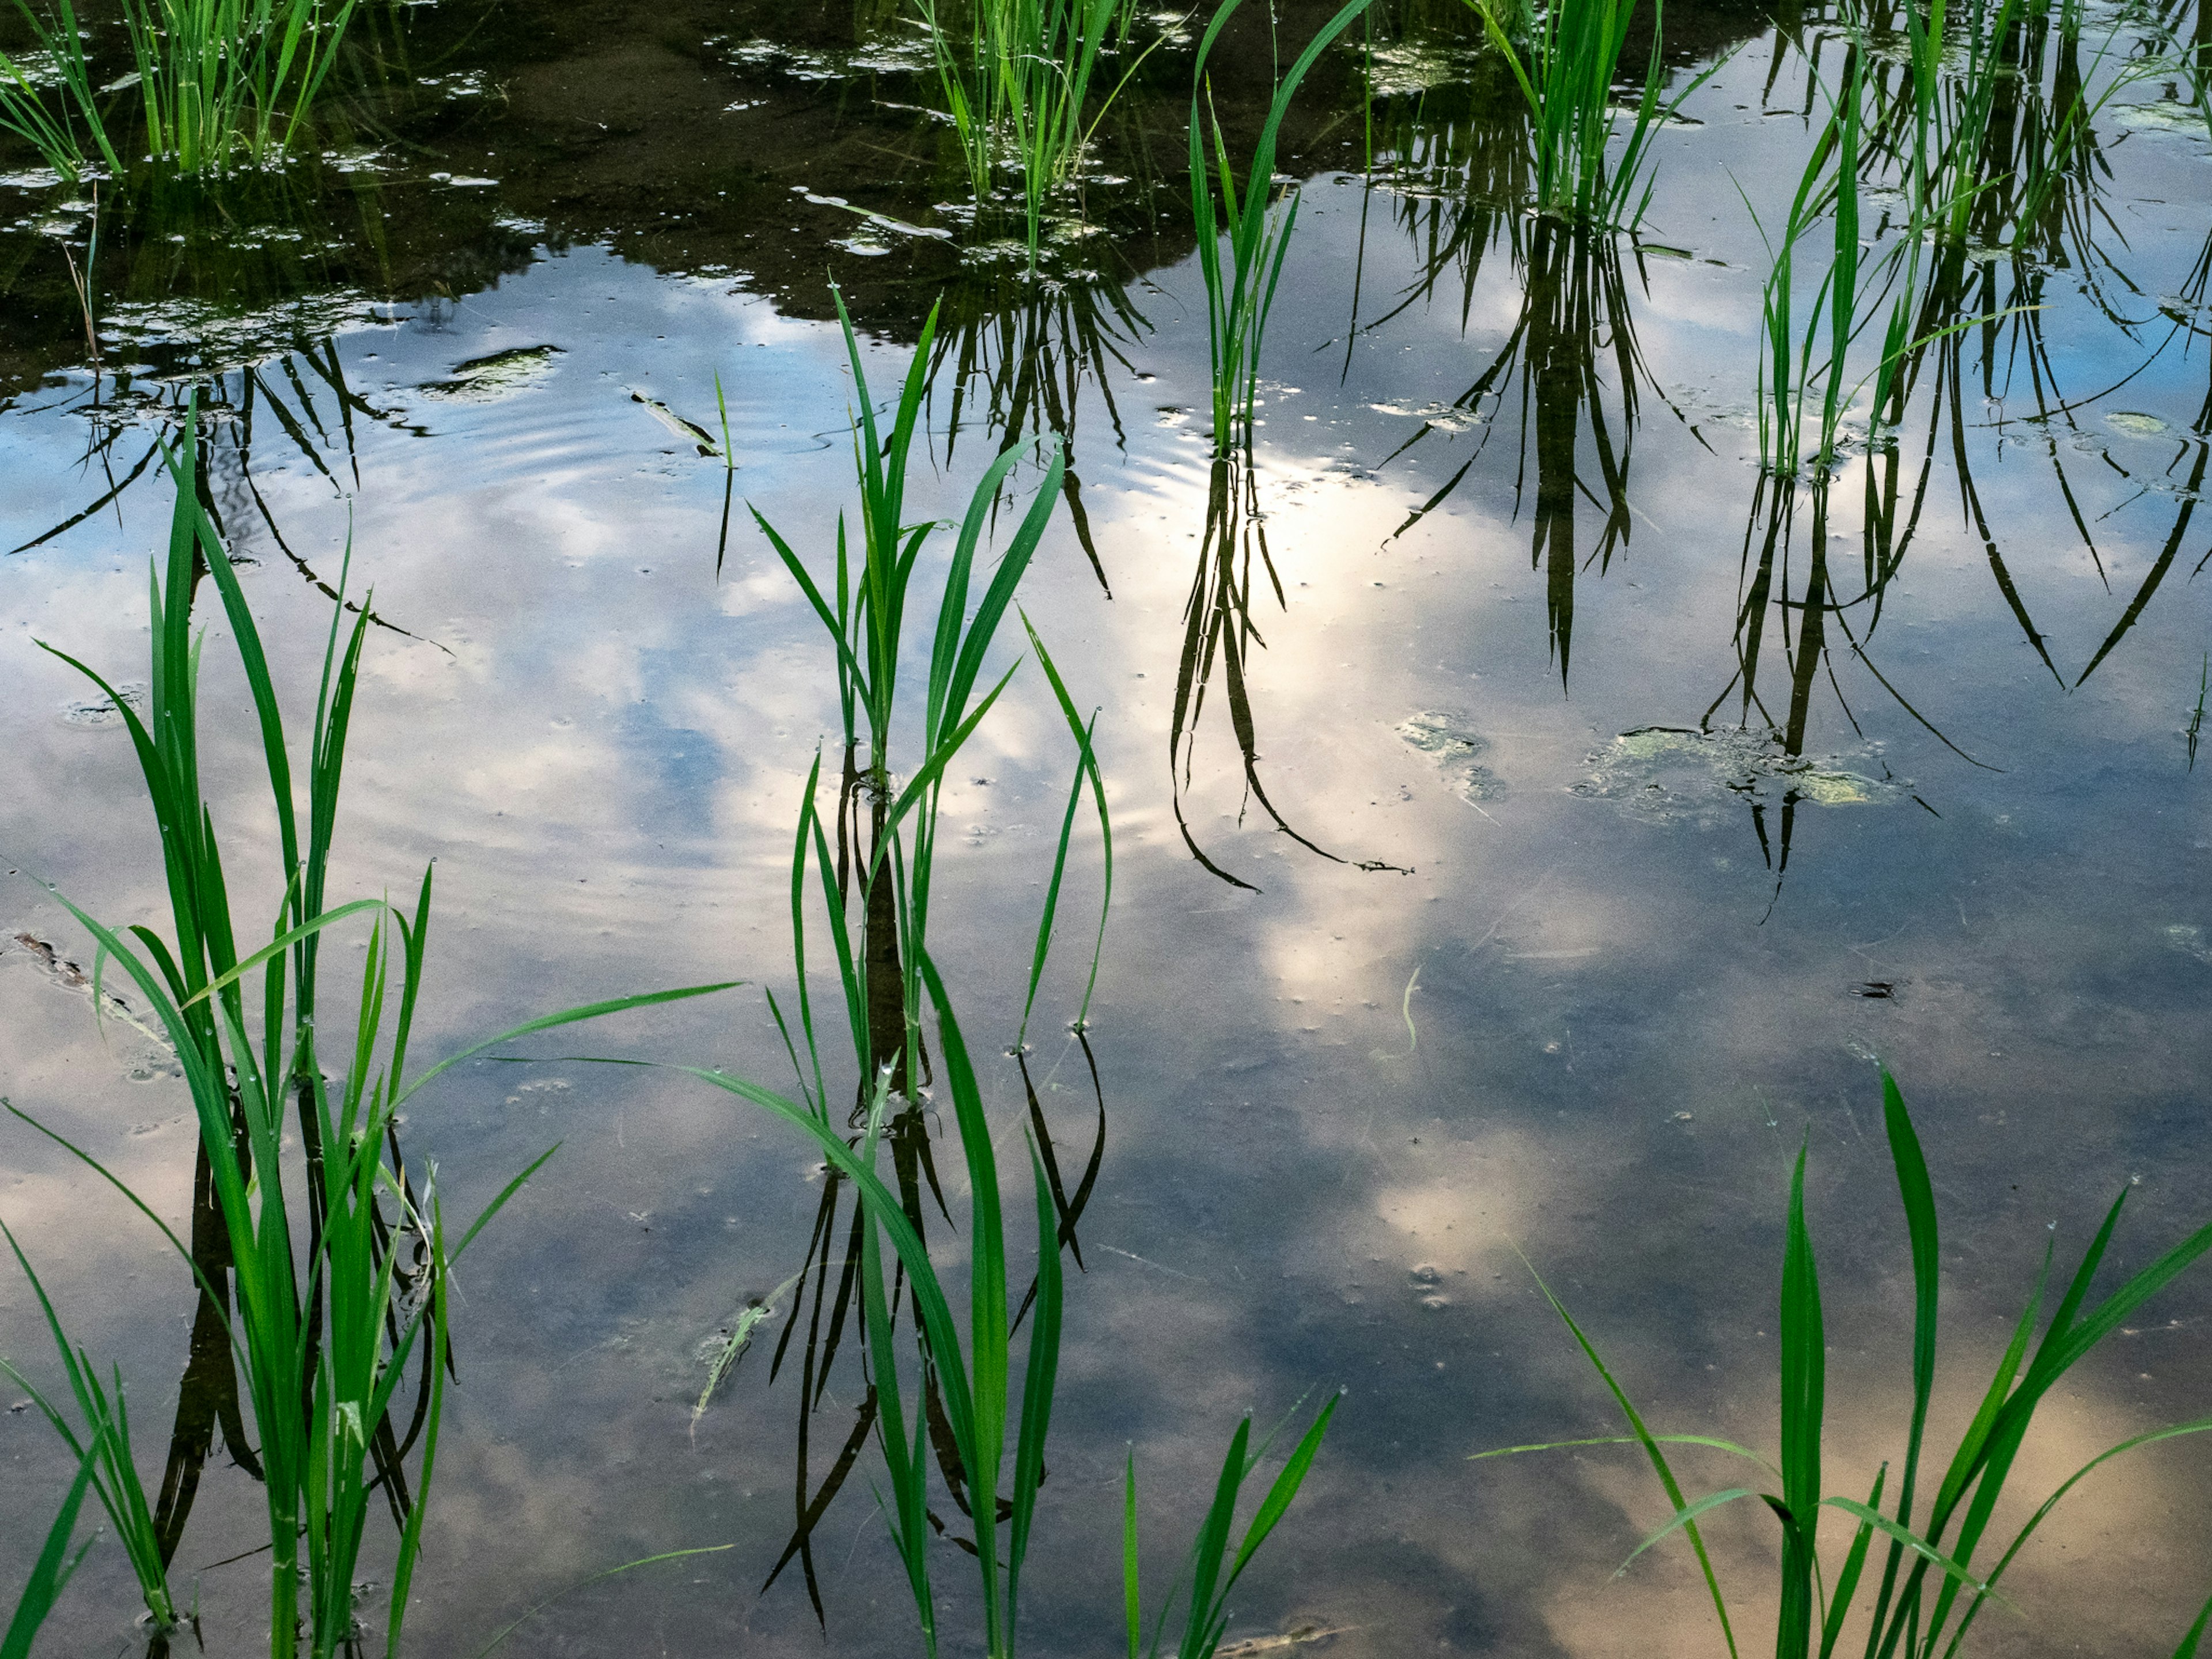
{"x":1793,"y":367}
{"x":1240,"y":291}
{"x":1018,"y":91}
{"x":1929,"y":1588}
{"x":968,"y":1386}
{"x":58,"y":67}
{"x":55,"y":1565}
{"x":105,"y":1445}
{"x":222,"y":81}
{"x":324,"y":1336}
{"x":1564,"y":59}
{"x":219,"y":83}
{"x":1202,"y":1586}
{"x":885,"y":824}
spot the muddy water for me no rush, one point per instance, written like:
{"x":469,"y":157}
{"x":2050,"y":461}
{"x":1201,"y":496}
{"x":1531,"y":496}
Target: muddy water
{"x":1562,"y":952}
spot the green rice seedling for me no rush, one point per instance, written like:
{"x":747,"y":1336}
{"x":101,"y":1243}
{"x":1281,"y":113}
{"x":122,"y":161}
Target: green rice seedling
{"x":225,"y":80}
{"x":54,"y":1567}
{"x":106,"y":1442}
{"x":1018,"y":91}
{"x":1929,"y":1588}
{"x":864,"y":611}
{"x":24,"y":111}
{"x":323,"y":1335}
{"x":885,"y":826}
{"x":1240,"y":291}
{"x":968,"y":1385}
{"x":1789,"y":369}
{"x":1203,"y":1586}
{"x":1564,"y":61}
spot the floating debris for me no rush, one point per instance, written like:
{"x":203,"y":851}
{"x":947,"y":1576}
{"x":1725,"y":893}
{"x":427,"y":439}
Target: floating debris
{"x":1446,"y":740}
{"x":1443,"y":417}
{"x":1296,"y":1635}
{"x":1402,"y":69}
{"x":1670,"y":773}
{"x":2136,"y":424}
{"x":689,"y":431}
{"x":102,"y":713}
{"x":493,"y":378}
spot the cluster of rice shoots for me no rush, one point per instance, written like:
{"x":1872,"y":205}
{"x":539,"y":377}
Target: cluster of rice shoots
{"x":1019,"y":90}
{"x":339,"y":1257}
{"x":1255,"y":223}
{"x":1918,"y":1571}
{"x":218,"y":85}
{"x":1565,"y":60}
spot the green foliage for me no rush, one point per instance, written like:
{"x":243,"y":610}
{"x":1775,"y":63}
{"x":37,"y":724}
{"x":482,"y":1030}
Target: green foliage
{"x":324,"y":1336}
{"x":55,"y":1565}
{"x":1930,"y":1589}
{"x":1793,"y":369}
{"x":220,"y":83}
{"x":1241,"y":290}
{"x":1018,"y":87}
{"x":24,"y":111}
{"x":864,"y":612}
{"x":106,"y":1446}
{"x":1202,"y":1586}
{"x":226,"y":80}
{"x":1564,"y":60}
{"x":974,"y":1379}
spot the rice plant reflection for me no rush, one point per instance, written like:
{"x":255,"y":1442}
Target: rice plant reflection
{"x":1023,"y":359}
{"x":1576,"y":314}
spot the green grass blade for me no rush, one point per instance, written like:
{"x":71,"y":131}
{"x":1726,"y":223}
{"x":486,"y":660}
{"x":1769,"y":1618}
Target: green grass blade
{"x":1847,"y":1581}
{"x":1650,"y":1444}
{"x":1037,"y":1387}
{"x":1686,"y":1518}
{"x":1804,"y":1348}
{"x":1728,"y":1446}
{"x":1277,"y":1501}
{"x":1914,"y":1542}
{"x":566,"y":1017}
{"x":2189,"y":1642}
{"x":1132,"y":1598}
{"x":53,"y":1567}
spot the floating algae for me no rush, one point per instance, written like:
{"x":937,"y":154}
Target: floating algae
{"x":1454,"y":749}
{"x":491,"y":379}
{"x":1669,"y":773}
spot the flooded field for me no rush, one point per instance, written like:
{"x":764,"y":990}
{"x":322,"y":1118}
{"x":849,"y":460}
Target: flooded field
{"x":1557,"y":662}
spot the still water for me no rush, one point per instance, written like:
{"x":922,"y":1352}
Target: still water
{"x":1564,"y":840}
